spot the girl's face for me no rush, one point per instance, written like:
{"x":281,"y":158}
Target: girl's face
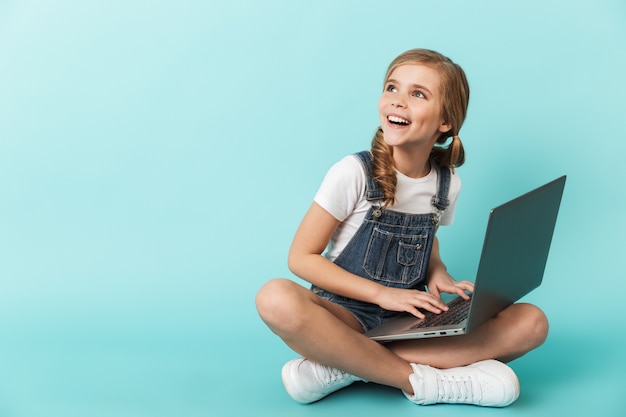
{"x":410,"y":108}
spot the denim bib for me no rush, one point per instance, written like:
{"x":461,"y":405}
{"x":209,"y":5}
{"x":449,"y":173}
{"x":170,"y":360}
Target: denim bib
{"x":390,"y":247}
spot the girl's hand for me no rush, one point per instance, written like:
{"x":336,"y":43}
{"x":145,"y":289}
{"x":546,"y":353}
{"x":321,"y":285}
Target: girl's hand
{"x":398,"y":299}
{"x":440,"y":281}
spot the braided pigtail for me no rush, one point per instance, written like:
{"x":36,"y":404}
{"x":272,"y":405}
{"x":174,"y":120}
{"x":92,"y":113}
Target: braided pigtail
{"x":451,"y":156}
{"x":383,"y":170}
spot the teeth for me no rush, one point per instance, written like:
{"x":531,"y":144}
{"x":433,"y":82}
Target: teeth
{"x":396,"y":119}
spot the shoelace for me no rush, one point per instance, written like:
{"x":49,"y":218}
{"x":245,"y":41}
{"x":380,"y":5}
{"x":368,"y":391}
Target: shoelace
{"x":455,"y":389}
{"x":329,"y":375}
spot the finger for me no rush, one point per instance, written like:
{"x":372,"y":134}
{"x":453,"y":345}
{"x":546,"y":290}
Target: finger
{"x":466,"y":286}
{"x":459,"y":290}
{"x":430,"y":296}
{"x":462,"y":294}
{"x":436,"y":306}
{"x":433,"y":297}
{"x":414,"y":311}
{"x":454,"y":287}
{"x":450,"y":289}
{"x":434,"y":291}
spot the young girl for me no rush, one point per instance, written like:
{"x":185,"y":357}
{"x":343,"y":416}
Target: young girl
{"x":376,"y":213}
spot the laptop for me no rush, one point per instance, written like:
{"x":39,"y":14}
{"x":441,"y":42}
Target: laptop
{"x":513,"y":259}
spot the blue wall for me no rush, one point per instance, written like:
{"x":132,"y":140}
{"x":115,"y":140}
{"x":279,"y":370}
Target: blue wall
{"x":156,"y":158}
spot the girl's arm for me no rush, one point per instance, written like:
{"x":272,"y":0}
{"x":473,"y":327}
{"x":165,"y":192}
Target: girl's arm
{"x":306,"y":261}
{"x":439,"y":280}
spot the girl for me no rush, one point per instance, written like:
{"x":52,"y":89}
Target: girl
{"x":397,"y":193}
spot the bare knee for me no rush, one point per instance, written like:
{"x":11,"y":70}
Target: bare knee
{"x":538,"y":324}
{"x":270,"y":296}
{"x":278,"y":303}
{"x":532,"y":325}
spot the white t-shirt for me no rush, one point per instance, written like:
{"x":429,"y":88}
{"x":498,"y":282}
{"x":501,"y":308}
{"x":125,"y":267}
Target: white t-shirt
{"x":342,"y":194}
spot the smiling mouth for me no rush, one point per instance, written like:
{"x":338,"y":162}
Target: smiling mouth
{"x":398,"y":121}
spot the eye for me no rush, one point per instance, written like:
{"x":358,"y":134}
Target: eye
{"x":391,"y":88}
{"x":419,"y":94}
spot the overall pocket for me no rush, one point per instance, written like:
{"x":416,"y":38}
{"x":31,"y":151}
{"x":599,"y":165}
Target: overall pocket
{"x":394,"y":259}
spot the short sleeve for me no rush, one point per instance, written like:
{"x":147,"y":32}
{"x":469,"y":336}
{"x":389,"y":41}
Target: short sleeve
{"x":342,"y":188}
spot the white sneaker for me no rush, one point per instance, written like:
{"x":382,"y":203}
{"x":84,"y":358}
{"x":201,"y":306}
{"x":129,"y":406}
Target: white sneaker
{"x":307,"y":381}
{"x":487,"y":383}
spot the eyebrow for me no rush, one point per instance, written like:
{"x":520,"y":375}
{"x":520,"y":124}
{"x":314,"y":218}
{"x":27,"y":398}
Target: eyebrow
{"x":415,"y":86}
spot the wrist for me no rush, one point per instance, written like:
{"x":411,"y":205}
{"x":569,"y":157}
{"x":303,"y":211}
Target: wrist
{"x":376,"y":292}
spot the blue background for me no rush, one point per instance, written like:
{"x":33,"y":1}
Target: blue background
{"x":157,"y":157}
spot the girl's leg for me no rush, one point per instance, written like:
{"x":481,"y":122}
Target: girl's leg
{"x":327,"y":333}
{"x":515,"y":331}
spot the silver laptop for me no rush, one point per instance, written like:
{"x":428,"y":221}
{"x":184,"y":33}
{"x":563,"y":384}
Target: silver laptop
{"x":513,"y":259}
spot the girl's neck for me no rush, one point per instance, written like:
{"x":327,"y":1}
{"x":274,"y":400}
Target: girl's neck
{"x":412,"y":164}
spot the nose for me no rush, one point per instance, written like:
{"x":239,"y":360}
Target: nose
{"x":398,"y":101}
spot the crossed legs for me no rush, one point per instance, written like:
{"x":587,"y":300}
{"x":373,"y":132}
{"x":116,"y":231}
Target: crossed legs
{"x":327,"y":333}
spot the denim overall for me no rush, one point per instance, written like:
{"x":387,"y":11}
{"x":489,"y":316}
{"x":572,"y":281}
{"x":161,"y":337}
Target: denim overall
{"x":390,"y":247}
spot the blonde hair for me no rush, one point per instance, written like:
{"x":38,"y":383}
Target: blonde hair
{"x":455,"y":99}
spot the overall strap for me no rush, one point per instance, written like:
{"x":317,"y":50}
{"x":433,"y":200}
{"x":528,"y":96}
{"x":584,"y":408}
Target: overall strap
{"x":372,"y":191}
{"x":441,"y":201}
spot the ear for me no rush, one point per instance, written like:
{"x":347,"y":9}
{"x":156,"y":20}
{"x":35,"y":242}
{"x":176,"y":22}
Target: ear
{"x":445,"y":127}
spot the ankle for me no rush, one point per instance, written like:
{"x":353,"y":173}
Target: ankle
{"x":406,"y":385}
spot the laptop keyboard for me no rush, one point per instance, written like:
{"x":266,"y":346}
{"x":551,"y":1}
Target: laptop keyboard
{"x":457,"y":313}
